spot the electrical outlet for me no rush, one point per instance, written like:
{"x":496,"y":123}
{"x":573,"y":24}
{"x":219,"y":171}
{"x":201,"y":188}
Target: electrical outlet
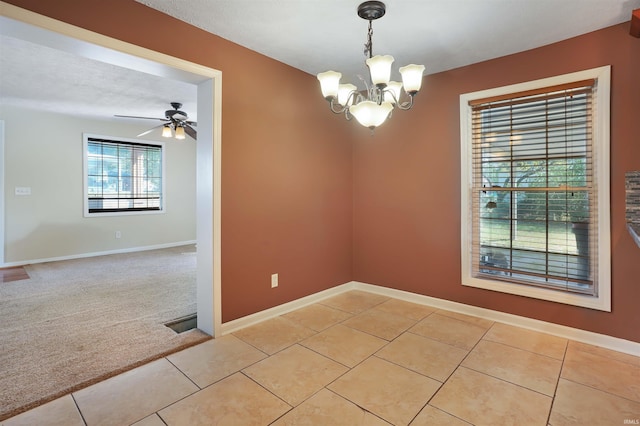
{"x":118,"y":234}
{"x":274,"y":280}
{"x":23,"y":190}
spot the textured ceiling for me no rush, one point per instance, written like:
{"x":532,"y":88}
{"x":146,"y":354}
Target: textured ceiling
{"x":52,"y":80}
{"x":317,"y":35}
{"x":311,"y":35}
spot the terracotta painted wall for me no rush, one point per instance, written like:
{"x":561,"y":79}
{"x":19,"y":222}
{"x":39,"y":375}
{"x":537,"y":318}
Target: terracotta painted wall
{"x":322,"y":202}
{"x":286,"y":163}
{"x":407,"y":184}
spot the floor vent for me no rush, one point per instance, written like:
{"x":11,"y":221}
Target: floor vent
{"x":183,"y":324}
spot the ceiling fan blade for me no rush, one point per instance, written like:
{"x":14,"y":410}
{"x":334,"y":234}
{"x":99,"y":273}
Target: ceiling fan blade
{"x":150,"y":130}
{"x":190,"y":131}
{"x":143,"y":118}
{"x":191,"y":123}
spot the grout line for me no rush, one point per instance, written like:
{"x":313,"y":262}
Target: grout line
{"x":78,"y":408}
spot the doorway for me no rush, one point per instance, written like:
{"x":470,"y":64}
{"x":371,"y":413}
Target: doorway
{"x":29,"y":26}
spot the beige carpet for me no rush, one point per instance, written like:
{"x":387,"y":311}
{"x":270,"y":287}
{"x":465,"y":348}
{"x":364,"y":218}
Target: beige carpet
{"x":76,"y":322}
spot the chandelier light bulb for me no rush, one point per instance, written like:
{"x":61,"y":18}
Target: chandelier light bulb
{"x":329,"y":83}
{"x":380,"y":69}
{"x":370,"y":114}
{"x":344,"y":94}
{"x":392,"y":94}
{"x":412,"y":78}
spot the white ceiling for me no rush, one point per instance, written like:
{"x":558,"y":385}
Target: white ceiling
{"x":317,"y":35}
{"x":311,"y":35}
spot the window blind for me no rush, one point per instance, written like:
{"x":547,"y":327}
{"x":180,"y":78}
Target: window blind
{"x":123,"y":176}
{"x":534,"y":211}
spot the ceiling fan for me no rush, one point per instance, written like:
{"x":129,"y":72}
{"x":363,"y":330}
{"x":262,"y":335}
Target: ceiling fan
{"x":175,"y":120}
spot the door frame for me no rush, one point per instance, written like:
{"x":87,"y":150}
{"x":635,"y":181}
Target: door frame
{"x":41,"y":29}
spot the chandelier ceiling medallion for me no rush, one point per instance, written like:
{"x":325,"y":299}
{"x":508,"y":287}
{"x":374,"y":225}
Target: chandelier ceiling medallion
{"x":374,"y":105}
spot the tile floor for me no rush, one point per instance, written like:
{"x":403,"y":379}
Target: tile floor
{"x":365,"y":359}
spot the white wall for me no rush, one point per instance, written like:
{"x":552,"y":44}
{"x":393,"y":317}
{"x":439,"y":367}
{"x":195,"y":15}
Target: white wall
{"x":43,"y":151}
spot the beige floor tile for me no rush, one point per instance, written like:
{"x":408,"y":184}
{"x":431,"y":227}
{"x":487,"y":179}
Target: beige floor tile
{"x":273,"y":335}
{"x":576,"y":404}
{"x":605,"y":374}
{"x":317,"y":317}
{"x":344,"y":344}
{"x":152,"y":420}
{"x":355,"y":301}
{"x":215,"y":359}
{"x":536,"y":372}
{"x":295,"y":373}
{"x":448,"y":330}
{"x":431,"y":416}
{"x":328,"y":409}
{"x":482,"y":322}
{"x":532,"y":341}
{"x":423,"y":355}
{"x":380,"y":324}
{"x":236,"y":400}
{"x":484,"y":400}
{"x":410,"y":310}
{"x":608,"y":353}
{"x":387,"y":390}
{"x":59,"y":412}
{"x":133,"y":395}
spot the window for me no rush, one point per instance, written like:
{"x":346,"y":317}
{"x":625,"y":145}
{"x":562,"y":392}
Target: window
{"x":123,"y":176}
{"x":535,"y":189}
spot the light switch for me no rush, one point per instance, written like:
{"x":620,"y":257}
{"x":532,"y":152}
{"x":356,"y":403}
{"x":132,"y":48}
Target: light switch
{"x":23,"y":190}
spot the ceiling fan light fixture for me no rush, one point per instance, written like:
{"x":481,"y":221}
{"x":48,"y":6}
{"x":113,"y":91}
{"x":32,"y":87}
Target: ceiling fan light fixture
{"x":371,"y":107}
{"x":166,"y":131}
{"x":180,"y":132}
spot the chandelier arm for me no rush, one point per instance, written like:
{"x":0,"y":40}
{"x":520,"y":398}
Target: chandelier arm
{"x":336,"y":109}
{"x":347,"y":114}
{"x":408,"y":104}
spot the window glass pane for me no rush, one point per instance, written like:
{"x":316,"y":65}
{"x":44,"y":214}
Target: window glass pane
{"x":532,"y":158}
{"x":118,"y":174}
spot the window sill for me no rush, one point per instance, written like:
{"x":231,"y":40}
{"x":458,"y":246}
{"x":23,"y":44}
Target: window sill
{"x":602,"y":302}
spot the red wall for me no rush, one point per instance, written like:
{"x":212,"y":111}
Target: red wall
{"x":322,"y":202}
{"x":286,"y":160}
{"x":407,"y":184}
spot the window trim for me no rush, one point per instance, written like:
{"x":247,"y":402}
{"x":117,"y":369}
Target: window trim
{"x":601,"y":134}
{"x":85,"y":168}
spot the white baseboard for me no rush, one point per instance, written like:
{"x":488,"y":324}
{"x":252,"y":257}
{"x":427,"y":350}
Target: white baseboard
{"x":237,"y":324}
{"x":98,"y":253}
{"x":596,"y":339}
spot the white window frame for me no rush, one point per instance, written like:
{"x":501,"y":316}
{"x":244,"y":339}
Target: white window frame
{"x":85,"y":169}
{"x":601,"y":132}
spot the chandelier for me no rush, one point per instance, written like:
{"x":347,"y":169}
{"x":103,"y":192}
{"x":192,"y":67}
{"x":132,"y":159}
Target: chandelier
{"x":374,"y":105}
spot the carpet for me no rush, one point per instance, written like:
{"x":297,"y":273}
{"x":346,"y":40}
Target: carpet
{"x":76,"y":322}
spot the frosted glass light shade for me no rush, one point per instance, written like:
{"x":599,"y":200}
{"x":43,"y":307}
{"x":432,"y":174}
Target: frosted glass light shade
{"x":344,"y":90}
{"x":412,"y":77}
{"x":380,"y":69}
{"x":329,"y":82}
{"x":370,"y":114}
{"x":180,"y":132}
{"x":166,"y":131}
{"x":394,"y":87}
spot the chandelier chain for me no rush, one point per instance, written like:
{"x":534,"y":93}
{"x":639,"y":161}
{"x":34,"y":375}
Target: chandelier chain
{"x":368,"y":46}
